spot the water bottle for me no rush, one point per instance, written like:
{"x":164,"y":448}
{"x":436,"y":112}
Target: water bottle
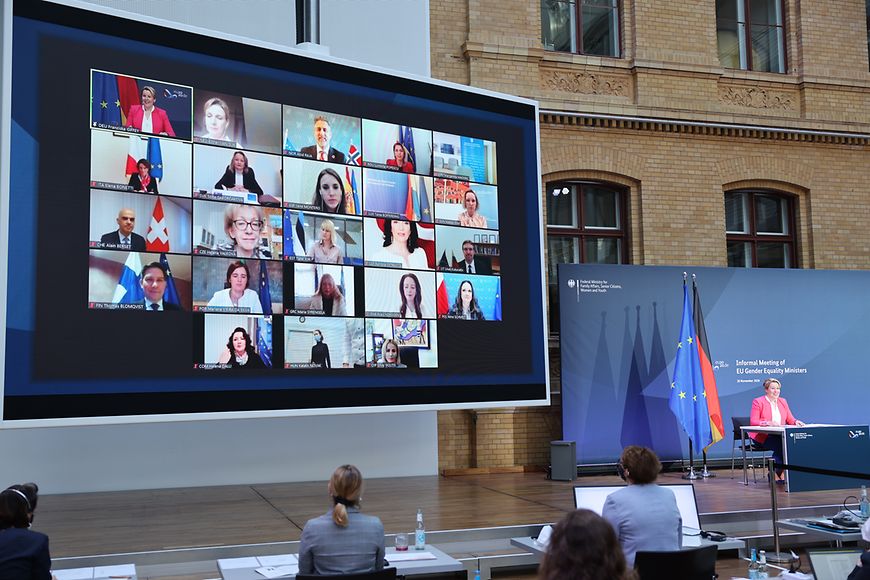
{"x":762,"y":566}
{"x":864,"y":503}
{"x":420,"y":535}
{"x":753,"y":566}
{"x":477,"y":574}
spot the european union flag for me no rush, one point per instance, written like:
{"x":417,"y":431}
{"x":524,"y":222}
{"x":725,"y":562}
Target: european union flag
{"x":105,"y":100}
{"x":171,"y":293}
{"x":408,"y":143}
{"x":155,"y":157}
{"x":265,"y":293}
{"x":497,"y":311}
{"x":688,"y":399}
{"x":425,"y":211}
{"x":264,"y":340}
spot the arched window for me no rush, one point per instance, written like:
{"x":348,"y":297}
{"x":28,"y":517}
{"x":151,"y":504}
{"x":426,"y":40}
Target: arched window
{"x":586,"y":223}
{"x":760,"y":229}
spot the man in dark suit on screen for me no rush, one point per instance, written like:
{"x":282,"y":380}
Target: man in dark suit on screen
{"x":322,"y":136}
{"x":154,"y":279}
{"x":473,"y":264}
{"x":124,"y":237}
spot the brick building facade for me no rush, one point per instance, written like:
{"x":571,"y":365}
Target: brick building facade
{"x":674,"y":107}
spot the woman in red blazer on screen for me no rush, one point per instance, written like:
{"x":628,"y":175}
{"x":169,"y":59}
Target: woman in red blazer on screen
{"x":771,"y":410}
{"x":149,"y":118}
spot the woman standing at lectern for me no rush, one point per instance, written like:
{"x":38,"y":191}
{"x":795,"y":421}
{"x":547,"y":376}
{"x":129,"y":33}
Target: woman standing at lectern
{"x":771,"y":410}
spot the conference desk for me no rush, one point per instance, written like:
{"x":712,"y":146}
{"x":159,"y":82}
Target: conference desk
{"x":532,"y":546}
{"x":246,"y":568}
{"x":834,"y":447}
{"x":806,"y":525}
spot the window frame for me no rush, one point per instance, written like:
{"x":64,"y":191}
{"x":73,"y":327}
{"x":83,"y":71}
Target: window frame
{"x":580,"y":232}
{"x":753,"y":237}
{"x":747,"y":35}
{"x":578,"y":31}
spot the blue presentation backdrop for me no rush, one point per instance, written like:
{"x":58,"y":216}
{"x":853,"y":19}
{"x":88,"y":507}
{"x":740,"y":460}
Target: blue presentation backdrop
{"x":808,"y":328}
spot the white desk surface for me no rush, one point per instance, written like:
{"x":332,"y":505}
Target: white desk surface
{"x":442,"y":563}
{"x":119,"y":572}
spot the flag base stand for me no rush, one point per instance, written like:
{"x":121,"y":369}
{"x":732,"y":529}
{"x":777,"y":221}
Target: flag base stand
{"x":780,"y":557}
{"x":691,"y":474}
{"x":704,"y":472}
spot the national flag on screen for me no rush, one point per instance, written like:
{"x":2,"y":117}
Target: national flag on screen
{"x":129,"y":290}
{"x":442,"y":300}
{"x":414,"y":179}
{"x":687,"y":398}
{"x":265,"y":292}
{"x":351,"y":201}
{"x":137,"y":149}
{"x":354,"y":155}
{"x":171,"y":292}
{"x":426,"y":241}
{"x":408,"y":143}
{"x":497,"y":311}
{"x":155,"y":157}
{"x":409,"y":202}
{"x":717,"y":427}
{"x":425,"y":209}
{"x":300,"y":235}
{"x":129,"y":94}
{"x":265,"y":346}
{"x":443,"y":263}
{"x":105,"y":102}
{"x":288,"y":144}
{"x":157,"y":238}
{"x":289,"y":234}
{"x":356,"y":204}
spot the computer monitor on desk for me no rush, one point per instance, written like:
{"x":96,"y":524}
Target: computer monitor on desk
{"x":592,"y":497}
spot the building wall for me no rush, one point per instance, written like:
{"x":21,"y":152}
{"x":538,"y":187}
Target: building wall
{"x":678,"y":165}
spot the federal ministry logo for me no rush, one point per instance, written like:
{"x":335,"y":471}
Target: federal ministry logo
{"x":572,"y":282}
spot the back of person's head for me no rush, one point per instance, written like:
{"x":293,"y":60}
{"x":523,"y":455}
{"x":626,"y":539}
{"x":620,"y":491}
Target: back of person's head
{"x":345,"y":487}
{"x":641,"y":463}
{"x":31,"y":490}
{"x":15,"y":509}
{"x":584,"y":547}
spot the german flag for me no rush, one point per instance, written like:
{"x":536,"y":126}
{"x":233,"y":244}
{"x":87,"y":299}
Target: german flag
{"x":711,"y":393}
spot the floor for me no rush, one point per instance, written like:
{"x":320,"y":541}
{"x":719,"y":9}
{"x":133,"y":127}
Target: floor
{"x":132,"y":521}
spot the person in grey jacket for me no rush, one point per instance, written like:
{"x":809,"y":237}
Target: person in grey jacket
{"x":644,"y":515}
{"x":343,"y":540}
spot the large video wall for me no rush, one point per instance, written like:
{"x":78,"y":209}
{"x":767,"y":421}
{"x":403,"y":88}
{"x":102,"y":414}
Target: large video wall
{"x":261,"y":232}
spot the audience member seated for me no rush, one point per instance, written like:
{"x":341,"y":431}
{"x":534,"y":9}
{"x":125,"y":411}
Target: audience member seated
{"x":862,"y":569}
{"x":644,"y":515}
{"x":23,"y":552}
{"x":342,"y":541}
{"x":584,"y":547}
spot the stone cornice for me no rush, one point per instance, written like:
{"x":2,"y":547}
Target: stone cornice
{"x":702,"y":128}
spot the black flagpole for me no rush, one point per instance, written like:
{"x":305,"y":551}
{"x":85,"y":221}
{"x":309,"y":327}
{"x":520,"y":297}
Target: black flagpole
{"x":691,"y":474}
